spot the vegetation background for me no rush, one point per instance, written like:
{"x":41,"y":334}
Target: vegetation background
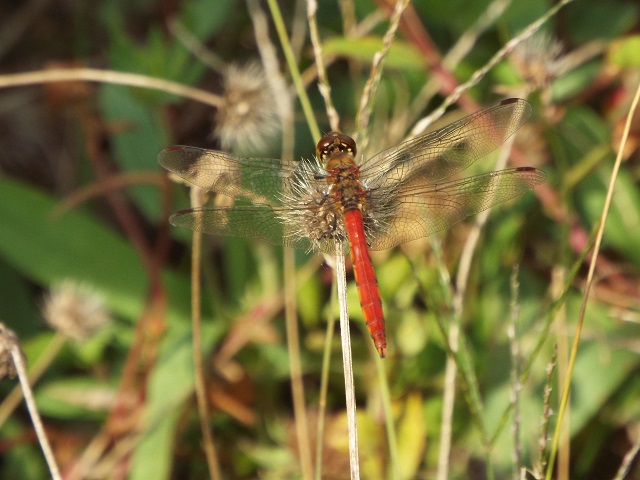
{"x":83,"y":202}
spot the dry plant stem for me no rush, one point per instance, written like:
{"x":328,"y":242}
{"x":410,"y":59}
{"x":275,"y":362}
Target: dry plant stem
{"x":585,"y":297}
{"x":112,"y":461}
{"x":324,"y":381}
{"x":298,"y":29}
{"x":196,"y":197}
{"x":348,"y":15}
{"x":242,"y":327}
{"x":18,"y":360}
{"x":448,"y":399}
{"x":413,"y":29}
{"x":460,"y":49}
{"x":478,"y":75}
{"x":93,"y":135}
{"x":90,"y":456}
{"x":451,"y":369}
{"x":116,"y":181}
{"x":360,"y":30}
{"x":347,"y":362}
{"x":293,"y":345}
{"x":197,"y":49}
{"x":108,"y":76}
{"x":37,"y":369}
{"x":392,"y":439}
{"x":279,"y":86}
{"x":516,"y":386}
{"x":468,"y":383}
{"x":323,"y":84}
{"x":627,"y":462}
{"x":543,"y":336}
{"x":558,"y":279}
{"x":546,"y":414}
{"x":276,"y":80}
{"x":276,"y":15}
{"x":468,"y":39}
{"x":371,"y":87}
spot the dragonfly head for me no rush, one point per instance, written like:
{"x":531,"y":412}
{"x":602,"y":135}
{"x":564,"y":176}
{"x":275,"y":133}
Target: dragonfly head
{"x":335,"y":143}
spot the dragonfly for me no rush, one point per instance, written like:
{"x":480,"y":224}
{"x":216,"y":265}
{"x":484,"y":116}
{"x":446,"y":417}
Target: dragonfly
{"x":335,"y":202}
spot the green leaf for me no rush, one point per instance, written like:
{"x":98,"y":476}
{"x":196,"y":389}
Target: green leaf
{"x":16,"y":307}
{"x":402,"y":55}
{"x":575,"y":81}
{"x":75,"y":398}
{"x":159,"y":56}
{"x":137,"y":146}
{"x":154,"y":453}
{"x":595,"y":19}
{"x":624,"y":215}
{"x":204,"y":17}
{"x":47,"y":248}
{"x":170,"y":385}
{"x":599,"y":372}
{"x":625,"y":53}
{"x":412,"y":436}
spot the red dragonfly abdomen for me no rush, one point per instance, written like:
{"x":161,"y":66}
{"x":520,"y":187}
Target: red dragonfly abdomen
{"x":366,"y":280}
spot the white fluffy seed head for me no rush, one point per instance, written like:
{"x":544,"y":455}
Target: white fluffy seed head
{"x":247,"y":122}
{"x":75,"y":310}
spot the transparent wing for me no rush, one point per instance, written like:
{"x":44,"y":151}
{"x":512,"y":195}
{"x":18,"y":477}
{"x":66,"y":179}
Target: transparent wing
{"x":445,"y":152}
{"x":422,"y":210}
{"x":259,"y":180}
{"x":307,"y":229}
{"x":280,"y":202}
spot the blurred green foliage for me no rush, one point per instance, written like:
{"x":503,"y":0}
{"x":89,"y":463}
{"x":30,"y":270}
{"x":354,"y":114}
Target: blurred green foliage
{"x":573,"y":136}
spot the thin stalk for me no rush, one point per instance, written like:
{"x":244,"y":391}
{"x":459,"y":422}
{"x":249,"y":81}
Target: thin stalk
{"x":479,"y":74}
{"x":196,"y":196}
{"x":516,"y":386}
{"x":193,"y":44}
{"x":37,"y":369}
{"x":293,"y":68}
{"x":324,"y":382}
{"x":390,"y":427}
{"x":628,"y":462}
{"x":371,"y":87}
{"x":295,"y":365}
{"x":558,"y":279}
{"x":542,"y":337}
{"x":285,"y":110}
{"x":455,"y":55}
{"x":468,"y":382}
{"x":18,"y":361}
{"x":347,"y":362}
{"x":323,"y":83}
{"x":109,"y":76}
{"x":583,"y":307}
{"x":451,"y":368}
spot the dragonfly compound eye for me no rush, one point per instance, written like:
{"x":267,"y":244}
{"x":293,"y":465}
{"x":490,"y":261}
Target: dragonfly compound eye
{"x":347,"y":143}
{"x":335,"y":142}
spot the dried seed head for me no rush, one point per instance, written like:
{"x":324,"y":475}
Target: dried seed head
{"x":8,"y":340}
{"x":539,"y":60}
{"x":248,"y":119}
{"x":75,"y":310}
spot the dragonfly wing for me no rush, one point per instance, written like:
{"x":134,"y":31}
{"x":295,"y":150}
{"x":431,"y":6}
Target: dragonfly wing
{"x":280,"y":202}
{"x":421,"y":211}
{"x":311,"y":229}
{"x":445,"y":152}
{"x":259,"y":180}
